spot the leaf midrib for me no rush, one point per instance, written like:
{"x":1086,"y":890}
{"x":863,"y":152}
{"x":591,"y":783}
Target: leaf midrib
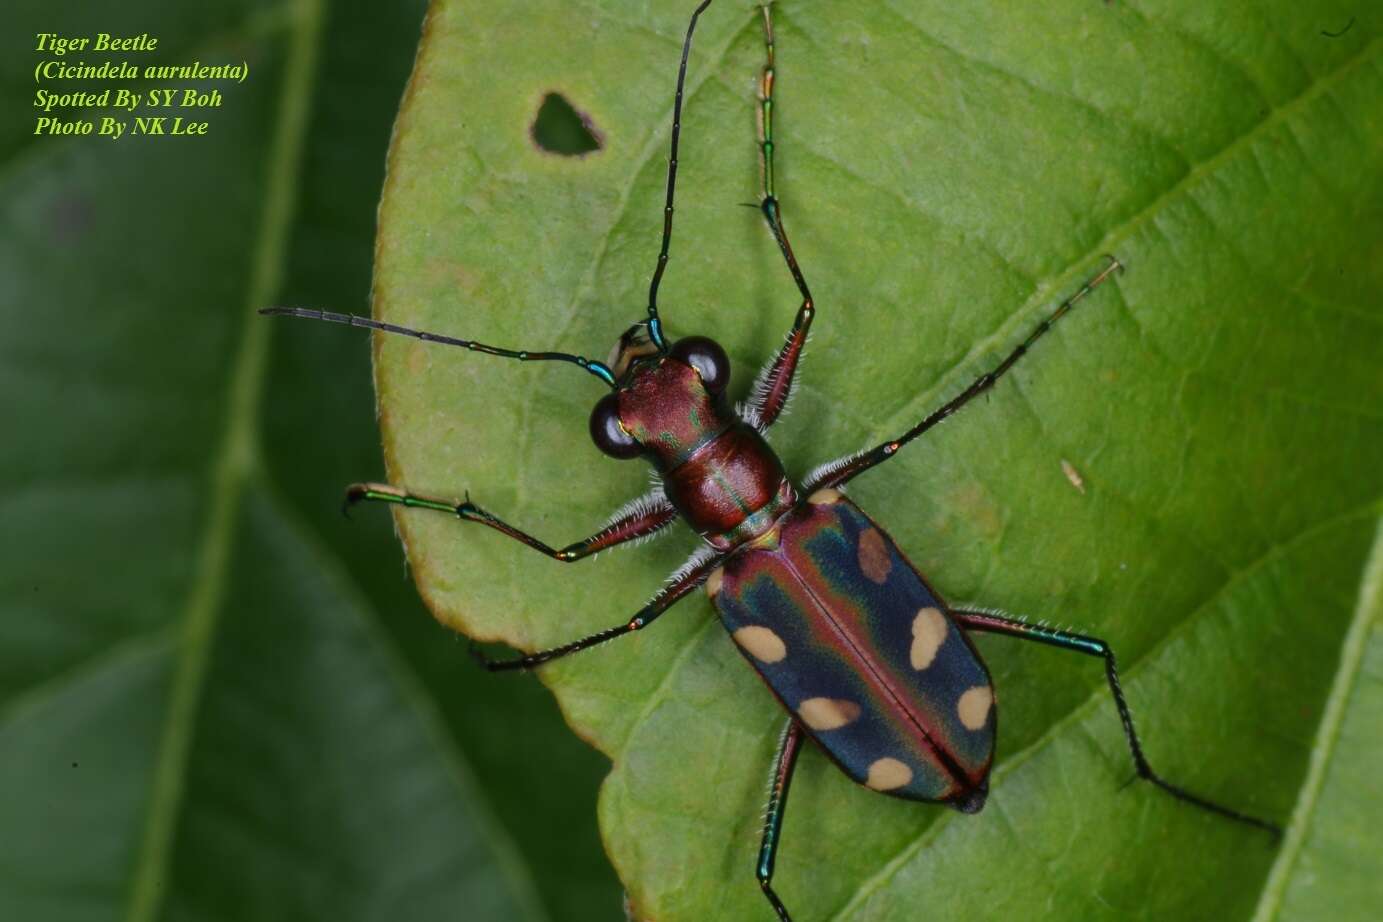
{"x":236,"y":458}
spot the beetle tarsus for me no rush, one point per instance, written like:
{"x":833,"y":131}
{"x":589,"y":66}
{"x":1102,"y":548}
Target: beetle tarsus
{"x":354,"y":494}
{"x":777,"y":904}
{"x":1229,"y":813}
{"x":1093,"y":646}
{"x":495,"y":665}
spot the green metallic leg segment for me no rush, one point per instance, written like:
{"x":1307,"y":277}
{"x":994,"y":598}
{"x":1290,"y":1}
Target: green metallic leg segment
{"x":774,"y":385}
{"x":691,"y":575}
{"x":1093,"y":646}
{"x":766,"y":106}
{"x":639,"y":519}
{"x":788,"y":747}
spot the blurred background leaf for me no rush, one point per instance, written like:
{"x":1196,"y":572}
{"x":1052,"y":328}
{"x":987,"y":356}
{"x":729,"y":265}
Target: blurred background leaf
{"x":219,"y":699}
{"x":949,"y":173}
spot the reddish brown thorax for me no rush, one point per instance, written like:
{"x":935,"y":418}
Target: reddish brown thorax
{"x":717,"y":470}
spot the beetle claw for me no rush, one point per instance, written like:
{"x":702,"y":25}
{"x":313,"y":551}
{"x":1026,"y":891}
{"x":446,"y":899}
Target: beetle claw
{"x":354,"y":494}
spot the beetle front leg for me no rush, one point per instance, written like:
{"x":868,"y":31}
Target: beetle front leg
{"x":1093,"y":646}
{"x":788,"y":747}
{"x":692,"y":574}
{"x":774,"y":384}
{"x":639,"y":519}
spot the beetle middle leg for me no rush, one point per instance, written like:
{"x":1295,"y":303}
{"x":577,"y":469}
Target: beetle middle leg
{"x":641,"y":518}
{"x":1093,"y":646}
{"x":845,"y":469}
{"x":774,"y":384}
{"x":788,"y":747}
{"x":691,"y":575}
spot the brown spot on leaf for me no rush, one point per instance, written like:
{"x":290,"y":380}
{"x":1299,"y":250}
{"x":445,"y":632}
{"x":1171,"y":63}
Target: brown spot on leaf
{"x":970,"y":502}
{"x":1073,"y":475}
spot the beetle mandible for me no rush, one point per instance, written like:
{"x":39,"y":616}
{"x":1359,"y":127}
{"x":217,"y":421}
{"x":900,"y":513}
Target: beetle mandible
{"x":867,"y":659}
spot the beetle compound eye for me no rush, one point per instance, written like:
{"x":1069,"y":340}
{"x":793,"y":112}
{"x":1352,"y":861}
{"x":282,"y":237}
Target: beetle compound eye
{"x":609,"y":436}
{"x":709,"y":360}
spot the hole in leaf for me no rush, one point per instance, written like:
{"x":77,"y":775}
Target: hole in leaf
{"x":561,"y":129}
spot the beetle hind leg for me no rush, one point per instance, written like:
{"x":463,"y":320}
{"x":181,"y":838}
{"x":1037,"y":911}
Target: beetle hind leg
{"x":1093,"y":646}
{"x":788,"y":747}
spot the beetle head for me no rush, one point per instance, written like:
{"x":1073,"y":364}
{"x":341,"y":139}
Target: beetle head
{"x":673,"y":392}
{"x":634,"y":346}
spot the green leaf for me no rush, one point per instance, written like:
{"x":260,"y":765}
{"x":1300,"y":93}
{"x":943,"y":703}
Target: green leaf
{"x":219,"y":699}
{"x":1327,"y":867}
{"x":948,"y":175}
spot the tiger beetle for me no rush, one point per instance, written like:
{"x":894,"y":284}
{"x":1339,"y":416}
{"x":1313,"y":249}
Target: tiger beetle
{"x":864,"y":655}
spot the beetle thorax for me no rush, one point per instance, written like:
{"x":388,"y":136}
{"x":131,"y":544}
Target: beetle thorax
{"x":717,"y":470}
{"x":666,"y":409}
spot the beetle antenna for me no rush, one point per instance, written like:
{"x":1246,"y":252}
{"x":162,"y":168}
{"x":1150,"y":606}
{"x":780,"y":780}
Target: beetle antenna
{"x":655,"y":327}
{"x":599,"y":369}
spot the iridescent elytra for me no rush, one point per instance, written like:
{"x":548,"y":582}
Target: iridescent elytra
{"x":866,"y":658}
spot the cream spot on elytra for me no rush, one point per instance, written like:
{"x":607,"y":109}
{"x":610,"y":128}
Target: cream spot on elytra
{"x":761,"y":643}
{"x":888,"y":774}
{"x":714,"y":581}
{"x":974,"y":706}
{"x":828,"y":713}
{"x":928,"y":633}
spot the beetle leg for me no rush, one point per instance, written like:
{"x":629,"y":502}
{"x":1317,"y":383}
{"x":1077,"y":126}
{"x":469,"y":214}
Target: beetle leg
{"x":692,"y":574}
{"x":788,"y":747}
{"x":640,"y":518}
{"x":1093,"y":646}
{"x":838,"y":472}
{"x":774,"y":384}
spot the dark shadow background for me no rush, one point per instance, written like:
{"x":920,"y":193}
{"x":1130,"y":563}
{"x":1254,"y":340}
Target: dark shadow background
{"x":166,"y":655}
